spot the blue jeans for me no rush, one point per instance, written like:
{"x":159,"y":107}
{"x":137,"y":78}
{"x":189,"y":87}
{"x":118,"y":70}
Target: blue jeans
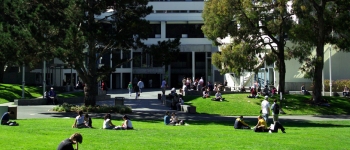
{"x":266,"y":117}
{"x":130,"y":90}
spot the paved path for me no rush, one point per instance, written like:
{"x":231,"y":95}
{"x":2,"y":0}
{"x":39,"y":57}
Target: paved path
{"x":148,"y":107}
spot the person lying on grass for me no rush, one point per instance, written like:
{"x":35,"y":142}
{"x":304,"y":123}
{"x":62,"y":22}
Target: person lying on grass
{"x":79,"y":121}
{"x":67,"y":144}
{"x":127,"y":125}
{"x":5,"y":119}
{"x":240,"y":124}
{"x":107,"y":123}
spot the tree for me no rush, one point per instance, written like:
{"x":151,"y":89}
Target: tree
{"x":18,"y":45}
{"x":252,"y":26}
{"x":320,"y":22}
{"x":85,"y":31}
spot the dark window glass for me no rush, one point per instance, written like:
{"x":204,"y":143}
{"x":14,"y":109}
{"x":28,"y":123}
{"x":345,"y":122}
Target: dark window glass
{"x":155,"y":29}
{"x":176,"y":30}
{"x":195,"y":31}
{"x":137,"y":59}
{"x":127,"y":55}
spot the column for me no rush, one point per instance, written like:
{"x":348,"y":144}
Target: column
{"x":169,"y":76}
{"x":44,"y":78}
{"x":23,"y":79}
{"x":163,"y":29}
{"x":206,"y":67}
{"x":131,"y":65}
{"x":193,"y":66}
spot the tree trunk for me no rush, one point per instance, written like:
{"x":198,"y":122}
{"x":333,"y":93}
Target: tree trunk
{"x":2,"y":67}
{"x":90,"y":94}
{"x":282,"y":70}
{"x":317,"y":80}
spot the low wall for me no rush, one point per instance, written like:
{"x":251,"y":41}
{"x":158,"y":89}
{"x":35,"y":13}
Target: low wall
{"x":43,"y":101}
{"x":211,"y":93}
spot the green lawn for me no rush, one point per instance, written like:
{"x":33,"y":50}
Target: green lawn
{"x":43,"y":134}
{"x":9,"y":92}
{"x":239,"y":104}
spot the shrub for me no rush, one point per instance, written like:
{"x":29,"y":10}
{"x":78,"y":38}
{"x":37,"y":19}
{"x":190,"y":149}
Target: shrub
{"x":65,"y":107}
{"x":337,"y":85}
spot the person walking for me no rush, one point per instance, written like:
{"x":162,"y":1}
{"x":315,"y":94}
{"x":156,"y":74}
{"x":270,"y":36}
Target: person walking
{"x":130,"y":88}
{"x":137,"y":90}
{"x":265,"y":109}
{"x":141,"y":85}
{"x":163,"y":86}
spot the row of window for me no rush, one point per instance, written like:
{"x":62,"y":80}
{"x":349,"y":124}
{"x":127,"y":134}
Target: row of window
{"x":178,"y":31}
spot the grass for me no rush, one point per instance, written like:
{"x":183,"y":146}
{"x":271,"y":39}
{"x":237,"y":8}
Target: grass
{"x":42,"y":134}
{"x":9,"y":92}
{"x":239,"y":104}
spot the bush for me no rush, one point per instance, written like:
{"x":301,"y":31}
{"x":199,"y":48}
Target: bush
{"x":65,"y":107}
{"x":337,"y":85}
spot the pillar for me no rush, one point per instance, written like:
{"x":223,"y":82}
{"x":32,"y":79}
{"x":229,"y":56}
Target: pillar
{"x":193,"y":66}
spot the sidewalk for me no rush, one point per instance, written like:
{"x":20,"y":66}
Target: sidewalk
{"x":148,"y":107}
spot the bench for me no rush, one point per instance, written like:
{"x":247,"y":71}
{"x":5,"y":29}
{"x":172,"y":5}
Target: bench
{"x":188,"y":109}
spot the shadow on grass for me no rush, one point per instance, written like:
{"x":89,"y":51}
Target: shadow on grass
{"x":203,"y":119}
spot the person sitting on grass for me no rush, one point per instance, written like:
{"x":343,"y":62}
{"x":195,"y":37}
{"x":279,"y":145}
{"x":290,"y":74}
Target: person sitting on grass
{"x":87,"y":121}
{"x":5,"y":119}
{"x":79,"y":121}
{"x":205,"y":93}
{"x":261,"y":126}
{"x":174,"y":120}
{"x":218,"y":96}
{"x":107,"y":123}
{"x":166,"y":118}
{"x":67,"y":144}
{"x":127,"y":125}
{"x":240,"y":124}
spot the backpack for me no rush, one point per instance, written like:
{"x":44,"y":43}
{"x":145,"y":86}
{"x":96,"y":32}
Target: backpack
{"x":276,"y":109}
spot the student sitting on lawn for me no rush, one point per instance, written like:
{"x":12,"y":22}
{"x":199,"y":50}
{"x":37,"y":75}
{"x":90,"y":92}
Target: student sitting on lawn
{"x":166,"y":118}
{"x":174,"y":120}
{"x":205,"y":93}
{"x":127,"y":125}
{"x":107,"y":123}
{"x":5,"y":119}
{"x":87,"y":121}
{"x":261,"y":126}
{"x":218,"y":96}
{"x":79,"y":121}
{"x":67,"y":144}
{"x":240,"y":124}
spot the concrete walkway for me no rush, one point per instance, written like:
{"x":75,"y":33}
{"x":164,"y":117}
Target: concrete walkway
{"x":148,"y":107}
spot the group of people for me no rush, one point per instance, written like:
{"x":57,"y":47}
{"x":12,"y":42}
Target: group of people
{"x":82,"y":121}
{"x":126,"y":125}
{"x":261,"y":126}
{"x":137,"y":88}
{"x":255,"y":91}
{"x":173,"y":119}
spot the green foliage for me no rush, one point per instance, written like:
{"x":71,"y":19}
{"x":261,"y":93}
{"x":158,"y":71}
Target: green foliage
{"x":319,"y":22}
{"x":65,"y":107}
{"x":149,"y":135}
{"x":337,"y":85}
{"x":254,"y":28}
{"x":239,"y":104}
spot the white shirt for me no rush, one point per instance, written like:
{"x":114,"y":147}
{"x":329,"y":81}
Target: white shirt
{"x":128,"y":124}
{"x":265,"y":106}
{"x":201,"y":81}
{"x":80,"y":119}
{"x":106,"y":123}
{"x":140,"y":84}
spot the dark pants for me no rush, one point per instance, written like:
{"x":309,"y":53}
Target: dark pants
{"x":278,"y":126}
{"x":345,"y":93}
{"x":261,"y":129}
